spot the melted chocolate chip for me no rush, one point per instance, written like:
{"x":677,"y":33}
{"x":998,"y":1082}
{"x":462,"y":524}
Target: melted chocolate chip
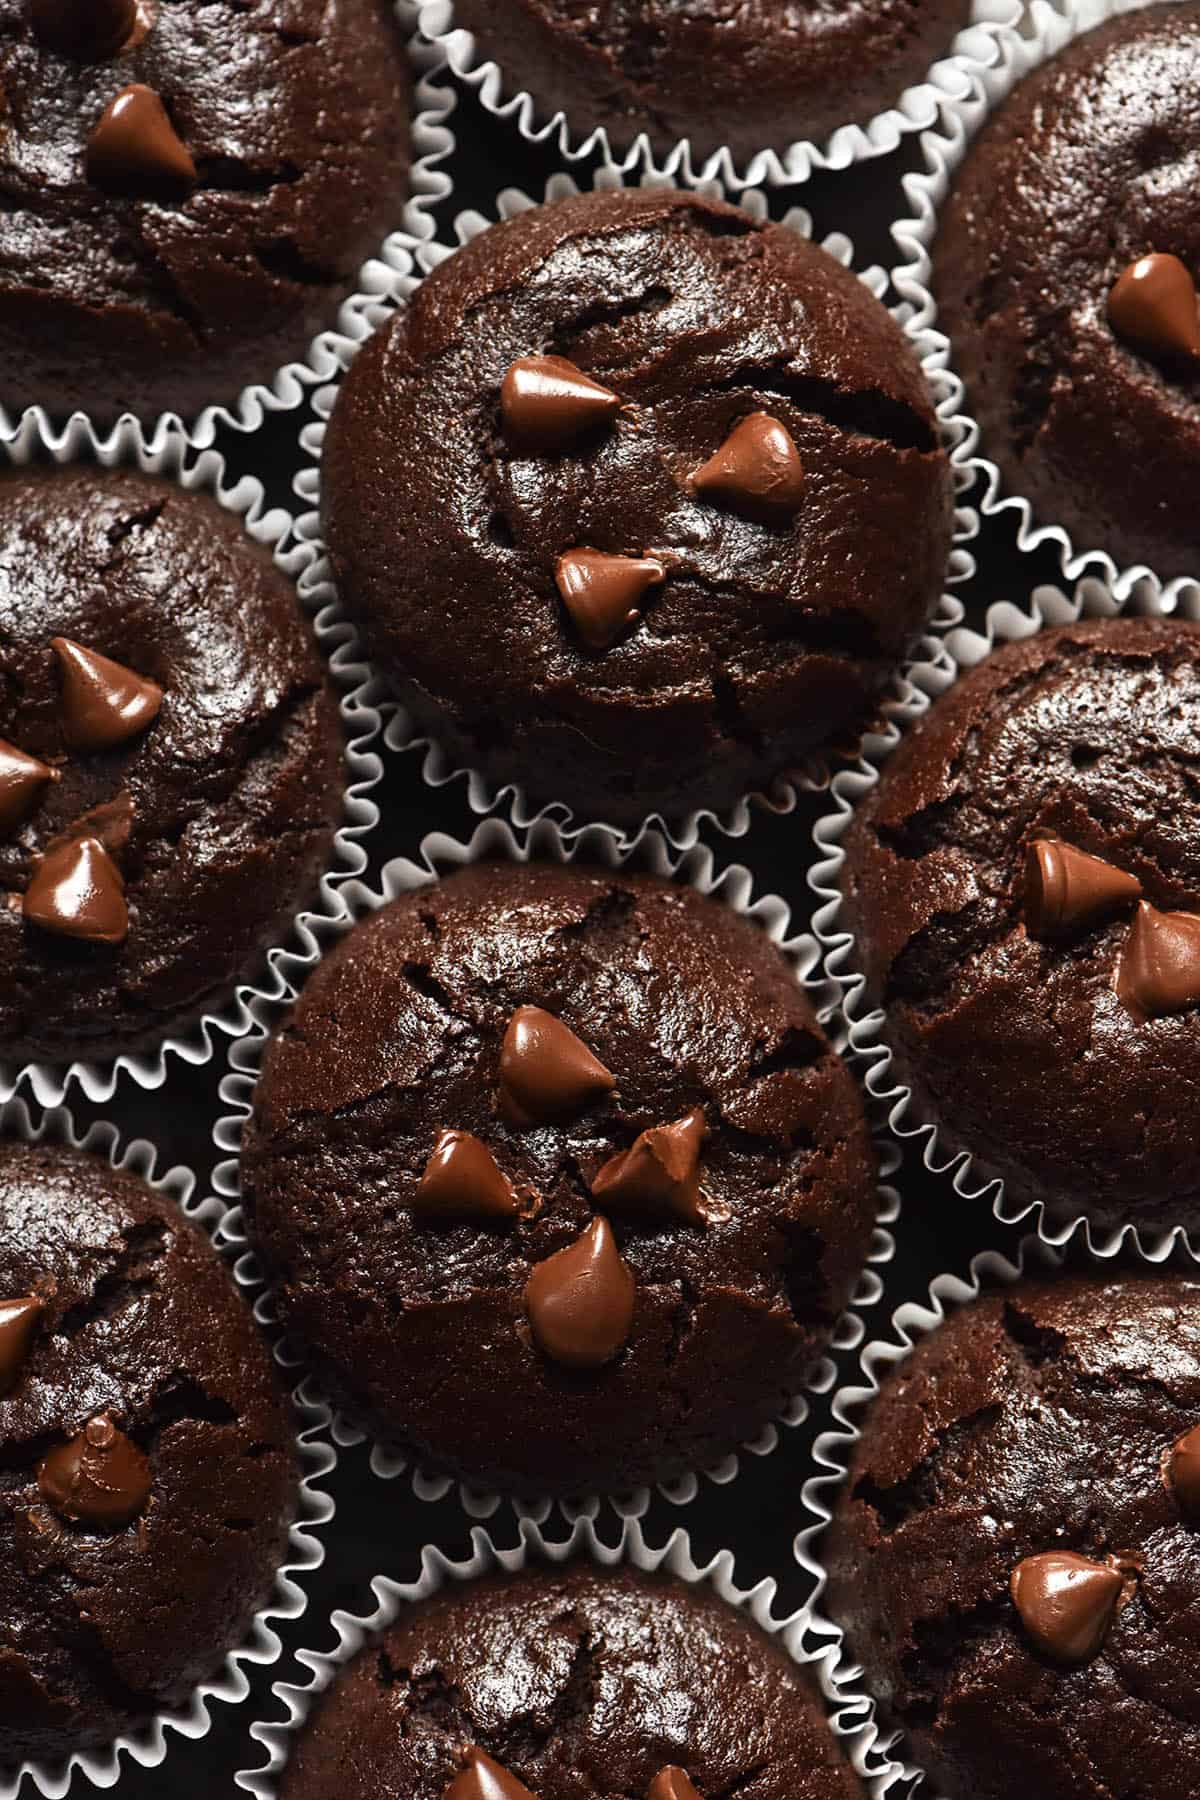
{"x":1181,"y":1473}
{"x":673,"y":1783}
{"x":602,"y":592}
{"x":580,"y":1300}
{"x":1066,"y":1602}
{"x":1153,"y":306}
{"x":77,"y":891}
{"x":18,"y":1322}
{"x":546,"y":1072}
{"x":548,"y":404}
{"x":484,"y":1779}
{"x":1065,"y":887}
{"x":22,"y":779}
{"x":756,"y":471}
{"x":462,"y":1180}
{"x":657,"y":1175}
{"x":135,"y":149}
{"x":86,"y":30}
{"x":99,"y":1478}
{"x":104,"y":703}
{"x":1158,"y":971}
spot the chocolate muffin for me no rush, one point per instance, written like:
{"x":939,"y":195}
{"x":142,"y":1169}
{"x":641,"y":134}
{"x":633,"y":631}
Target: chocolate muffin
{"x":558,"y":1177}
{"x":170,"y":759}
{"x":1014,"y":1556}
{"x":147,"y":1470}
{"x":637,"y":502}
{"x":1064,"y":274}
{"x":1023,"y":885}
{"x":763,"y":76}
{"x":570,"y":1681}
{"x":190,"y":191}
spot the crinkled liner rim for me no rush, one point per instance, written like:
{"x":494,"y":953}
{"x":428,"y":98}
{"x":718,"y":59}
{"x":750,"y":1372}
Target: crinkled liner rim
{"x":974,"y":47}
{"x":944,"y":149}
{"x":171,"y":456}
{"x":921,"y":684}
{"x":316,"y":1460}
{"x":438,"y":855}
{"x":438,"y":769}
{"x":833,"y":1449}
{"x":632,"y":1548}
{"x":375,"y":283}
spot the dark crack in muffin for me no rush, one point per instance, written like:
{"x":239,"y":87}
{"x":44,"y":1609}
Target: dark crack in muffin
{"x":1015,"y":1555}
{"x":574,"y":1681}
{"x":147,"y":1467}
{"x":1086,"y":169}
{"x":558,"y":1177}
{"x":637,"y":502}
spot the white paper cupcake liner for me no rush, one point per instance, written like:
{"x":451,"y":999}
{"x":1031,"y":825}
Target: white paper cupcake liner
{"x":438,"y":769}
{"x":374,"y":285}
{"x":920,"y":684}
{"x":438,"y":1570}
{"x":973,"y":49}
{"x":171,"y":456}
{"x":314,"y":1507}
{"x":1048,"y":29}
{"x":440,"y":855}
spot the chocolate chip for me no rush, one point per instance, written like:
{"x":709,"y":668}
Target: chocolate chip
{"x":580,"y":1300}
{"x":462,"y":1180}
{"x":1065,"y":887}
{"x":85,"y":30}
{"x":546,"y":1072}
{"x":76,"y":890}
{"x":22,"y":779}
{"x":483,"y":1779}
{"x":18,"y":1322}
{"x":135,"y":149}
{"x":673,"y":1783}
{"x":657,"y":1175}
{"x":1153,"y":306}
{"x":1181,"y":1473}
{"x":602,"y":592}
{"x":99,"y":1478}
{"x":1066,"y":1602}
{"x":548,"y":404}
{"x":756,"y":471}
{"x":1158,"y":970}
{"x":104,"y":703}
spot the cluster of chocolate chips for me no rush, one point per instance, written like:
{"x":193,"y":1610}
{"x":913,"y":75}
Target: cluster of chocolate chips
{"x":76,"y":889}
{"x":98,"y":1478}
{"x":549,"y":405}
{"x":482,"y":1778}
{"x":580,"y":1300}
{"x":1158,"y":969}
{"x":133,"y":148}
{"x":1067,"y":1602}
{"x":1153,"y":306}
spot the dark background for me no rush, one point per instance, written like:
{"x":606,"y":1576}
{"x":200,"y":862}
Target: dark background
{"x":381,"y":1527}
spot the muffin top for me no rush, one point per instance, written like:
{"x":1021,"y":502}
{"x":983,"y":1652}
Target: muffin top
{"x":149,"y":1474}
{"x":170,"y":759}
{"x":753,"y":74}
{"x":575,"y":1680}
{"x":1086,"y":169}
{"x":656,"y":572}
{"x":1023,"y":884}
{"x":190,"y":191}
{"x":558,"y":1176}
{"x":1014,"y":1556}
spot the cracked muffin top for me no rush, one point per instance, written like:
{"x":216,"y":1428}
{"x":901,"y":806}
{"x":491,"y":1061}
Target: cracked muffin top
{"x":190,"y":190}
{"x":1088,"y":168}
{"x":637,"y":501}
{"x":753,"y":74}
{"x":1015,"y":1555}
{"x":147,"y":1468}
{"x":571,"y":1681}
{"x":170,"y":759}
{"x":558,"y":1177}
{"x":1024,"y":887}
